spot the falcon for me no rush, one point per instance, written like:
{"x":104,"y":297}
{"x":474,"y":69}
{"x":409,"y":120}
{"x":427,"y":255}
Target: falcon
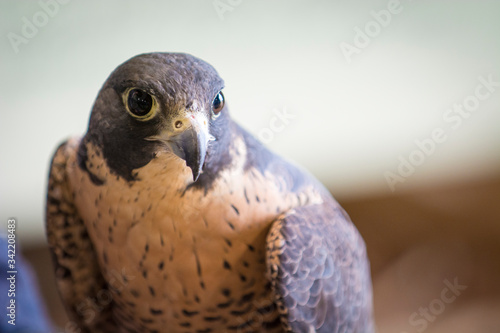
{"x":167,"y":216}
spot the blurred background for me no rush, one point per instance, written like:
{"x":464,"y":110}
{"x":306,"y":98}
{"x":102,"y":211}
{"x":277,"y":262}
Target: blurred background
{"x":393,"y":105}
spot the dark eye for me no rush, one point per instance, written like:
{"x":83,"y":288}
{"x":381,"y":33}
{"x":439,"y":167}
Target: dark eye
{"x":140,"y":103}
{"x":218,"y":103}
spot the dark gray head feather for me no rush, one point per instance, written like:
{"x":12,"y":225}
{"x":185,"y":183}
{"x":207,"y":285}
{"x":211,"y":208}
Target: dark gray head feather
{"x":176,"y":80}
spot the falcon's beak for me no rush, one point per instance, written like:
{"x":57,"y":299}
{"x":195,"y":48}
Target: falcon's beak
{"x":190,"y":141}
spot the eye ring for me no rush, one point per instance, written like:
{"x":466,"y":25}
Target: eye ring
{"x":140,"y":104}
{"x":217,"y":104}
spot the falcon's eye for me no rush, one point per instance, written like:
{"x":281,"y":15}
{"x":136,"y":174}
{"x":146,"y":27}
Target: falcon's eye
{"x":217,"y":104}
{"x":140,"y":104}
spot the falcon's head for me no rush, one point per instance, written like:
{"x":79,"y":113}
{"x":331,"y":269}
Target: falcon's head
{"x":159,"y":101}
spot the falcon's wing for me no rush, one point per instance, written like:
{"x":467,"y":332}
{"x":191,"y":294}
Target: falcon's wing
{"x":319,"y":271}
{"x":79,"y":280}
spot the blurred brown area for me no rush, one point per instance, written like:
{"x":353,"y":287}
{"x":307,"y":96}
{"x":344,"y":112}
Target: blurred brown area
{"x":421,"y":242}
{"x":435,"y":258}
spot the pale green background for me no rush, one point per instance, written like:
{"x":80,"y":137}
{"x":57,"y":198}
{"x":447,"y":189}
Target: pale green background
{"x":352,"y":120}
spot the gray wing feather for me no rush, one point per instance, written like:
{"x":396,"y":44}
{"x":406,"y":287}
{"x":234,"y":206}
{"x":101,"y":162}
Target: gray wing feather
{"x":319,"y":271}
{"x":78,"y":276}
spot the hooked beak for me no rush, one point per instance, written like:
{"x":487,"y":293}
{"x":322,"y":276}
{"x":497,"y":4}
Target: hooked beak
{"x":191,"y":142}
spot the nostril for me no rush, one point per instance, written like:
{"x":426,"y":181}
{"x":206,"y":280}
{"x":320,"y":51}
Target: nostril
{"x":178,"y":124}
